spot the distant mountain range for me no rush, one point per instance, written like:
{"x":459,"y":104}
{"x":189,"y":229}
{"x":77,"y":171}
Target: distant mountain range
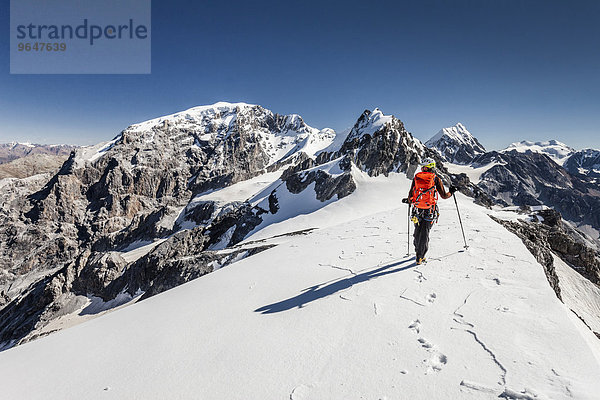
{"x":457,"y":145}
{"x":21,"y":160}
{"x":14,"y":150}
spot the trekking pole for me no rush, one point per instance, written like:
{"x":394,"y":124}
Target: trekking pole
{"x":460,"y":220}
{"x":407,"y":202}
{"x":408,"y":232}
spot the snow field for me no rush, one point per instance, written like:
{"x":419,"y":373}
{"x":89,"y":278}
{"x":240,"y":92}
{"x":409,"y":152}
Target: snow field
{"x":339,"y":313}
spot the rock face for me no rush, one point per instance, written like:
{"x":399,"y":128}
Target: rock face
{"x":61,"y":237}
{"x":379,"y":144}
{"x":456,"y":144}
{"x":584,"y":162}
{"x":65,"y":239}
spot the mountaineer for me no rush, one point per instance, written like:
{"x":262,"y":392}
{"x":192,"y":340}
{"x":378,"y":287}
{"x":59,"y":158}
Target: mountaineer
{"x":423,"y":197}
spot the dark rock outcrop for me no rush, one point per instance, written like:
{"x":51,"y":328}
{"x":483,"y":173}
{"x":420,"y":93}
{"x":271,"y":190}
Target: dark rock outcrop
{"x":326,"y":185}
{"x":378,"y":144}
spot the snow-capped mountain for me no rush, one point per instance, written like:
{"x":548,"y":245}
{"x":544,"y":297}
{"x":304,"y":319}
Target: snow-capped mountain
{"x":557,"y":151}
{"x":456,"y":144}
{"x":584,"y":162}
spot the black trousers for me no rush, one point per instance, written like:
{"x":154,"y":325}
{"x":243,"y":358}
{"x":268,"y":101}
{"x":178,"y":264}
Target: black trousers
{"x":421,"y":236}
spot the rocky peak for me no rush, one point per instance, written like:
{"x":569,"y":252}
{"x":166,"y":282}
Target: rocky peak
{"x":379,"y":144}
{"x":456,"y":144}
{"x":369,"y":123}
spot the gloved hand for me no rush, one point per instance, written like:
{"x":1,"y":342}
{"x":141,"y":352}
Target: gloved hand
{"x":405,"y":201}
{"x":453,"y":189}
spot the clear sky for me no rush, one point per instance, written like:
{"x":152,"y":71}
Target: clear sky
{"x":508,"y":70}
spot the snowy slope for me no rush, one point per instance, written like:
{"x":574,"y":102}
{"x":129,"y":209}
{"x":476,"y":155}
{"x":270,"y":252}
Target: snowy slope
{"x":338,"y":313}
{"x":557,"y":151}
{"x":579,"y":294}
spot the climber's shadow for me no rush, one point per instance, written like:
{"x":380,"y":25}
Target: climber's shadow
{"x":326,"y":289}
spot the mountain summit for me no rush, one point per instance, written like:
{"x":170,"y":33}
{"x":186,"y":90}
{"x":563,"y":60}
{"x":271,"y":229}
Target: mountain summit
{"x":456,"y":144}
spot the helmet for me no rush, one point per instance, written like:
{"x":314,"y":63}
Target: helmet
{"x":428,"y":163}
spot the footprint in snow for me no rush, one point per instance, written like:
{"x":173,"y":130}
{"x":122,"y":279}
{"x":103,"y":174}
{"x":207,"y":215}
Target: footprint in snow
{"x":431,"y":297}
{"x":435,"y":363}
{"x":415,"y":326}
{"x":425,"y":343}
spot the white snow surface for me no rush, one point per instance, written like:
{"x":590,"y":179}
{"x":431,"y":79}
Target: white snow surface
{"x":193,"y":114}
{"x":557,"y":151}
{"x":139,"y":249}
{"x":339,"y":313}
{"x":474,"y":173}
{"x":579,"y":294}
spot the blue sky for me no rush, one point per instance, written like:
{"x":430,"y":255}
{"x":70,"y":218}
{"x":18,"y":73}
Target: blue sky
{"x":508,"y":70}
